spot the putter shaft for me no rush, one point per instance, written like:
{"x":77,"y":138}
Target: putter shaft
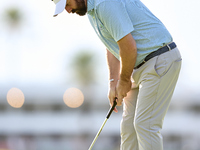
{"x":107,"y":117}
{"x":98,"y":134}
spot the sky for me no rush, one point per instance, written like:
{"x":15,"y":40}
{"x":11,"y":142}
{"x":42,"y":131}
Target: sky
{"x":39,"y":51}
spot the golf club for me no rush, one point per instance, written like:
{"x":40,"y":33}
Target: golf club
{"x":107,"y":117}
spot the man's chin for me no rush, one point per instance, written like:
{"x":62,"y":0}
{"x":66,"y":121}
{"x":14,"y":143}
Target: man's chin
{"x":81,"y":13}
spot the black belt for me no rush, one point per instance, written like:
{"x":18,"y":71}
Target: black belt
{"x":157,"y":52}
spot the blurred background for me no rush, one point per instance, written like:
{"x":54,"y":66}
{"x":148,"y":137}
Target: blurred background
{"x":43,"y":56}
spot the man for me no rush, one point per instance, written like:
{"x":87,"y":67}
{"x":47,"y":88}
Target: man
{"x":139,"y":48}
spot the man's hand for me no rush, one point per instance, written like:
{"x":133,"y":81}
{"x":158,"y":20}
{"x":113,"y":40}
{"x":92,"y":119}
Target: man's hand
{"x":122,"y":88}
{"x":112,"y":93}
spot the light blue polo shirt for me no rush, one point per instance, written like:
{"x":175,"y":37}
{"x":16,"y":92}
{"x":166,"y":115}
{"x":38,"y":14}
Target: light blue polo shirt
{"x":114,"y":19}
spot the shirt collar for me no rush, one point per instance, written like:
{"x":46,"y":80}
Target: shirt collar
{"x":90,"y":5}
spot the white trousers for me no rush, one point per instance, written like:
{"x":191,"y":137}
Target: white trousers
{"x":147,"y":103}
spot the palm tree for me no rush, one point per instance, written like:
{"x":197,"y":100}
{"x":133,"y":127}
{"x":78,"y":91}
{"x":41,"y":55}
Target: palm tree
{"x":13,"y":21}
{"x":83,"y":71}
{"x":83,"y":66}
{"x":13,"y":18}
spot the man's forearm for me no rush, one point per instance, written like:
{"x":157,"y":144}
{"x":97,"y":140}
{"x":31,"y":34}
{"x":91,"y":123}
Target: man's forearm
{"x":128,"y":55}
{"x":113,"y":66}
{"x":114,"y":72}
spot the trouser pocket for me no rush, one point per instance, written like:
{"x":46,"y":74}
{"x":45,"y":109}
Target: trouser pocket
{"x":165,"y":62}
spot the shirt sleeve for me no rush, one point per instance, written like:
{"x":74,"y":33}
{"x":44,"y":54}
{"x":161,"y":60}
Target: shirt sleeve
{"x":115,"y":18}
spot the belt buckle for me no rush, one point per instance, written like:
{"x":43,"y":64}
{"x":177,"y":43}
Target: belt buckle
{"x":169,"y":47}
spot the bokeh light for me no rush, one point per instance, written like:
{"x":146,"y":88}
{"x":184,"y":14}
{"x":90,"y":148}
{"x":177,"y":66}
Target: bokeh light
{"x":15,"y":98}
{"x":73,"y":97}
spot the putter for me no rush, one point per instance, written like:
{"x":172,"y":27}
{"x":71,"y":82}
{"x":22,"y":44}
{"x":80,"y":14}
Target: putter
{"x":107,"y":117}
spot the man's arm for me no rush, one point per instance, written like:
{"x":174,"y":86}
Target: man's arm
{"x":114,"y":72}
{"x":128,"y":55}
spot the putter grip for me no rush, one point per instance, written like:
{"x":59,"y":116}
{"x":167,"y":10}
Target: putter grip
{"x":111,"y":109}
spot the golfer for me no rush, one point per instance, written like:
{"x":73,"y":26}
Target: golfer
{"x":143,"y":61}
